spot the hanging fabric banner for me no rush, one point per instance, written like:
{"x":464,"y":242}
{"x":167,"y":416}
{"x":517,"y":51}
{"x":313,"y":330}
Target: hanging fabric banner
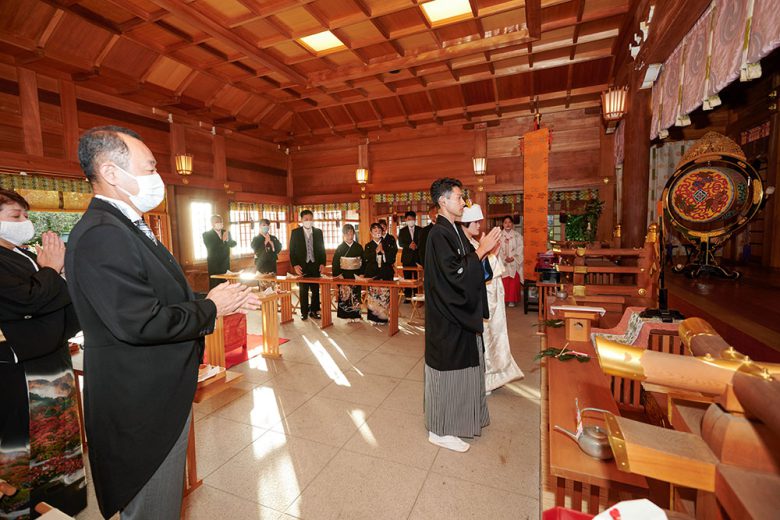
{"x":535,"y":172}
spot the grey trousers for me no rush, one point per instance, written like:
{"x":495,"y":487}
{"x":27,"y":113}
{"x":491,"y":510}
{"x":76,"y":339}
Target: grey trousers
{"x":160,"y":498}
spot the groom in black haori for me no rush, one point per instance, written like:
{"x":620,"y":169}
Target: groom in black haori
{"x":455,"y":305}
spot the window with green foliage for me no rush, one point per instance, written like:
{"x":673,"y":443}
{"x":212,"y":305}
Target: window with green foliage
{"x":61,"y":222}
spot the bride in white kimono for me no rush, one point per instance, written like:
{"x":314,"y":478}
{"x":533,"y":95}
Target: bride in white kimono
{"x":500,"y":366}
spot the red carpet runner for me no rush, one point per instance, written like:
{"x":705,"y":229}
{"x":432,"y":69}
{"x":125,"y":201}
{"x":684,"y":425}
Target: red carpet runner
{"x":254,"y":348}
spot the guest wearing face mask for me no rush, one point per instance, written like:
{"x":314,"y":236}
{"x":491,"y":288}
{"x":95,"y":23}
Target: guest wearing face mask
{"x":218,"y":243}
{"x":348,"y":262}
{"x":307,"y":256}
{"x":267,"y":248}
{"x":143,"y":331}
{"x":378,"y":260}
{"x":37,"y":384}
{"x":409,"y":240}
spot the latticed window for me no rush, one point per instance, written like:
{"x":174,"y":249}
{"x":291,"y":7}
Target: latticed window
{"x":330,"y":218}
{"x":245,"y":224}
{"x":200,"y":219}
{"x":244,"y":218}
{"x":277,"y":215}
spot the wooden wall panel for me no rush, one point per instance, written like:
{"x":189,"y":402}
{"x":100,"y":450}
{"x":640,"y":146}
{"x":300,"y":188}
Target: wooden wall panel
{"x":419,"y":156}
{"x":199,"y":144}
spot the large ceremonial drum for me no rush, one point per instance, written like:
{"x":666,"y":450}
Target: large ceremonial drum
{"x":710,"y":197}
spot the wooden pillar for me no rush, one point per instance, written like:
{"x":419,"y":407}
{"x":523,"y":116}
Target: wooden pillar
{"x":31,"y":112}
{"x":70,"y":120}
{"x":222,"y":204}
{"x":636,"y":168}
{"x":366,"y":200}
{"x":364,"y":234}
{"x":607,"y":189}
{"x":290,"y":184}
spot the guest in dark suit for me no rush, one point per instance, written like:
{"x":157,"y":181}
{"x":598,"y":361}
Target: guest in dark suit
{"x":267,"y":248}
{"x":307,"y":256}
{"x":37,"y":385}
{"x":143,"y":331}
{"x":433,"y":212}
{"x":390,"y":244}
{"x":218,"y":243}
{"x":409,"y":240}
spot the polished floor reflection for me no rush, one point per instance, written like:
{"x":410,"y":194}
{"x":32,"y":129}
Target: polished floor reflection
{"x":335,"y":430}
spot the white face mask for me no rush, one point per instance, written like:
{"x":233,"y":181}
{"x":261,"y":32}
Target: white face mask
{"x":410,"y":224}
{"x":17,"y":233}
{"x":264,"y":230}
{"x":151,"y":191}
{"x":308,"y":224}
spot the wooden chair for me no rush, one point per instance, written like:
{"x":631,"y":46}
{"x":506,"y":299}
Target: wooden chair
{"x":417,"y":301}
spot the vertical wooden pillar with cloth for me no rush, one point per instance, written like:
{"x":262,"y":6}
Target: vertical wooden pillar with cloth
{"x":536,"y":152}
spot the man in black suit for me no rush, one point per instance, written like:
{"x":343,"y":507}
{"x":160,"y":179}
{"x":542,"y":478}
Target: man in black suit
{"x":389,"y":243}
{"x":409,"y":240}
{"x":143,"y":331}
{"x":433,"y":212}
{"x":307,"y":256}
{"x":218,"y":243}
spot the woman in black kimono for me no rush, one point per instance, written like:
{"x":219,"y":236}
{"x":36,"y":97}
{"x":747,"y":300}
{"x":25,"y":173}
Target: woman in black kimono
{"x":347,"y":262}
{"x":40,"y":440}
{"x":378,"y":262}
{"x":267,"y":248}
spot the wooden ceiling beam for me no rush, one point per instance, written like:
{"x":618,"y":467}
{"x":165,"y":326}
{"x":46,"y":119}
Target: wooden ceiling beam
{"x":105,"y":50}
{"x":533,"y":17}
{"x":188,"y":14}
{"x":413,"y":30}
{"x":382,"y":65}
{"x":54,"y":21}
{"x":499,"y":73}
{"x":265,"y":8}
{"x":436,"y":117}
{"x":83,"y":12}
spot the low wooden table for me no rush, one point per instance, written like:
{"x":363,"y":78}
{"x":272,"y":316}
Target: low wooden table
{"x":215,"y":345}
{"x":326,"y":295}
{"x":586,"y":382}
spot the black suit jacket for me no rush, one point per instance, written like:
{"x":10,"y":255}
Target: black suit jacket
{"x":298,"y":250}
{"x":143,"y":339}
{"x":423,"y":241}
{"x":217,"y":251}
{"x":36,"y":315}
{"x":409,"y":257}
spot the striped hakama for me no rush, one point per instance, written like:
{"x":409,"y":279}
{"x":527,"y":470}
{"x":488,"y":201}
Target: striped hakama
{"x":455,"y":402}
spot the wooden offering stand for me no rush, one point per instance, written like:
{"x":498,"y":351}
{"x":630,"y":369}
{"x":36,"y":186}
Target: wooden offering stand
{"x":577,"y":319}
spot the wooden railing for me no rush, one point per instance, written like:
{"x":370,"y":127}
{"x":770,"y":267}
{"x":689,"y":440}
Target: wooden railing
{"x":631,"y":273}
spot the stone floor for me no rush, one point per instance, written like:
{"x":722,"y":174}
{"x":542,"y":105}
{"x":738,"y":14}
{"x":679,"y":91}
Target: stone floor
{"x":335,"y":430}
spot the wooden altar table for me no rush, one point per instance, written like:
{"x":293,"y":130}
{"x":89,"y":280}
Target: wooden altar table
{"x":568,"y":380}
{"x":326,"y":295}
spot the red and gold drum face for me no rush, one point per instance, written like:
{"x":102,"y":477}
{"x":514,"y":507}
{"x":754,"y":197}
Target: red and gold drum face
{"x":703,"y":195}
{"x":712,"y":196}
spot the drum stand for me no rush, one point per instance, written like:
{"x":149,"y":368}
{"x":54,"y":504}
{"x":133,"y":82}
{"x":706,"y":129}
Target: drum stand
{"x":704,"y":263}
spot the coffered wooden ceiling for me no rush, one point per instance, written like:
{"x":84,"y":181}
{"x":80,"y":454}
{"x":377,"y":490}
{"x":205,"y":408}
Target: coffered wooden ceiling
{"x":239,"y":64}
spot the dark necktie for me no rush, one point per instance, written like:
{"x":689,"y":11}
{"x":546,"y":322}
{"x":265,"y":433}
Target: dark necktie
{"x":141,"y":224}
{"x":309,"y":246}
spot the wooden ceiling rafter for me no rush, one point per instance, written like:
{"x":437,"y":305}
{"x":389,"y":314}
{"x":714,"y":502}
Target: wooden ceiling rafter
{"x":204,"y":23}
{"x":499,"y":73}
{"x":438,"y":73}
